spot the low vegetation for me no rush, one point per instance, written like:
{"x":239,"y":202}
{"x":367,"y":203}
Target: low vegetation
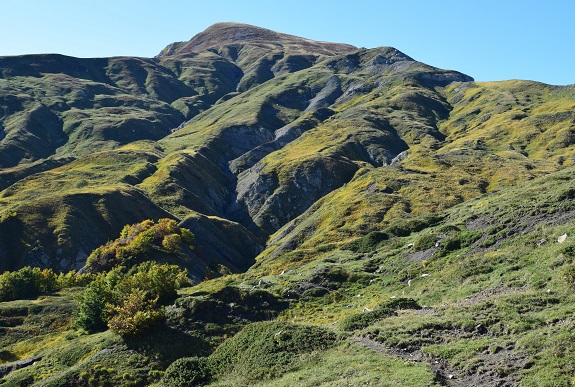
{"x":139,"y":242}
{"x":30,"y":282}
{"x":129,"y":301}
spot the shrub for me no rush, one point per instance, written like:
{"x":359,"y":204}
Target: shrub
{"x":188,"y":371}
{"x":569,"y":251}
{"x":171,"y":242}
{"x":187,"y":236}
{"x":266,"y":350}
{"x":369,"y":243}
{"x":425,"y":242}
{"x":386,"y":309}
{"x":140,"y":242}
{"x":161,"y":281}
{"x":129,"y":302}
{"x":73,"y":279}
{"x":134,"y":314}
{"x":27,"y":282}
{"x":91,"y":306}
{"x":401,"y":303}
{"x":403,"y":228}
{"x":458,"y":241}
{"x":363,"y":320}
{"x":569,"y":275}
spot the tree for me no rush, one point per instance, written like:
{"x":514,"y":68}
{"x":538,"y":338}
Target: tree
{"x":142,"y":242}
{"x":92,"y":306}
{"x":129,"y":302}
{"x":135,"y":314}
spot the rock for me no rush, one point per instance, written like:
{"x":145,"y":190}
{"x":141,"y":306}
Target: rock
{"x":541,"y":242}
{"x":562,"y":238}
{"x":328,"y":95}
{"x":480,"y":329}
{"x":6,"y":368}
{"x":399,"y":158}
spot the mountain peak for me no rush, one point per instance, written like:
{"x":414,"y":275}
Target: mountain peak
{"x":230,"y":33}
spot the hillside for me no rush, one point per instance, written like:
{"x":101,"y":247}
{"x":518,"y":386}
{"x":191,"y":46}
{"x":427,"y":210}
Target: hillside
{"x":403,"y":222}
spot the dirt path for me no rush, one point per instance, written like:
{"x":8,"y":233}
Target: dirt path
{"x":446,"y":375}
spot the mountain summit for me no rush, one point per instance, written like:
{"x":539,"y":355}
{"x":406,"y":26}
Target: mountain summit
{"x":224,"y":34}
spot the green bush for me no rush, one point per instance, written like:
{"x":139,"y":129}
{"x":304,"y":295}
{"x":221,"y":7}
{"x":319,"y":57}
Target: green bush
{"x":129,"y":302}
{"x":73,"y":279}
{"x":569,"y":275}
{"x":369,"y":243}
{"x":401,"y":303}
{"x":92,"y":303}
{"x":134,"y":314}
{"x":363,"y":320}
{"x":569,"y":251}
{"x":425,"y":242}
{"x":139,"y":243}
{"x":162,"y":281}
{"x":171,"y":242}
{"x":188,"y":371}
{"x":266,"y":350}
{"x":386,"y":309}
{"x":458,"y":241}
{"x":403,"y":228}
{"x":27,"y":282}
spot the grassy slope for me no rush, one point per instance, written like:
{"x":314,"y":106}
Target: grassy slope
{"x":495,"y":291}
{"x":479,"y":159}
{"x":493,"y":298}
{"x":280,"y":137}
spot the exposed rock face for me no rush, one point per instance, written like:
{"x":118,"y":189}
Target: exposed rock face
{"x":328,"y":95}
{"x":270,"y":203}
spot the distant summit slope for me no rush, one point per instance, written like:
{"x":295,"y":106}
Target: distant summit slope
{"x":223,"y":34}
{"x":261,"y":54}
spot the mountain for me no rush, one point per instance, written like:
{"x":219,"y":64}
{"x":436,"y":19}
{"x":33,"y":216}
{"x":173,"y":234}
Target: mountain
{"x":63,"y":112}
{"x":315,"y":172}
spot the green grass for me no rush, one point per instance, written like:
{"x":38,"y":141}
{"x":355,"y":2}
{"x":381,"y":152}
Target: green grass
{"x":349,"y":364}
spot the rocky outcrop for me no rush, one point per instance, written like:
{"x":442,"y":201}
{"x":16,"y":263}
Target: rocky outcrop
{"x":270,"y":203}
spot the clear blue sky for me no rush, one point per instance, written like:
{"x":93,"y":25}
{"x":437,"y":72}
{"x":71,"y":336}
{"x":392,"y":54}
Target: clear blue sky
{"x":487,"y":39}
